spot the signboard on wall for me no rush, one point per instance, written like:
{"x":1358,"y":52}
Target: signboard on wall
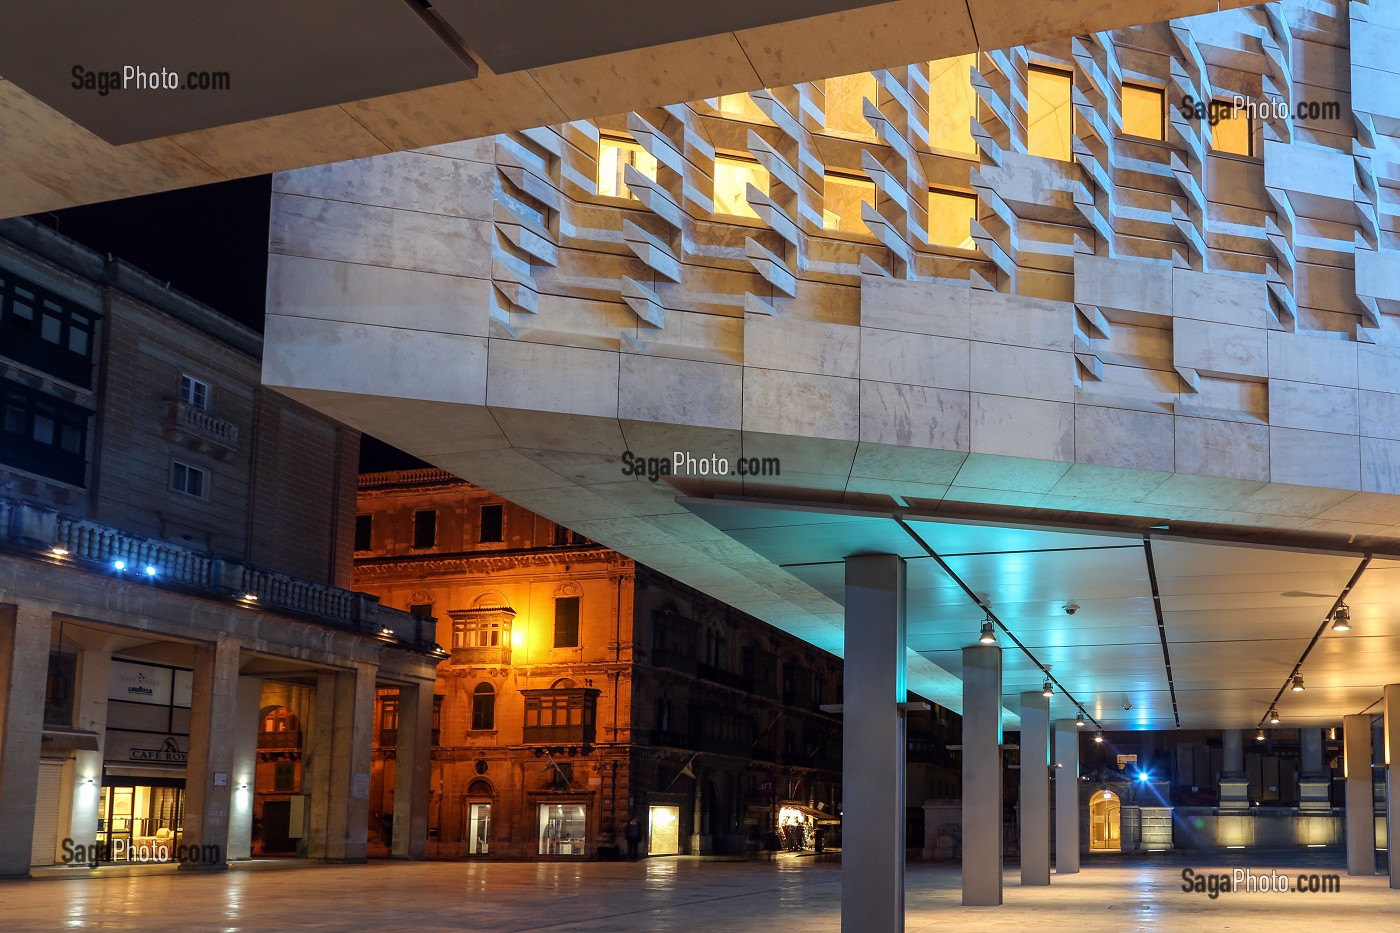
{"x":146,"y":748}
{"x":140,"y":683}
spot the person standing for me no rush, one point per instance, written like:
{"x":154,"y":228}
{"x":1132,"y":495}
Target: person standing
{"x":633,"y":834}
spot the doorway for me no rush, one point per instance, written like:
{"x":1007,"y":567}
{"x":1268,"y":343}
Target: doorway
{"x":479,"y":829}
{"x":665,"y":827}
{"x":1104,"y":822}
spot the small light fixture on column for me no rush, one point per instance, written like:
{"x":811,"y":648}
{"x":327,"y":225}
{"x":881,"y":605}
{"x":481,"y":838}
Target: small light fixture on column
{"x":1341,"y":619}
{"x":1298,"y":683}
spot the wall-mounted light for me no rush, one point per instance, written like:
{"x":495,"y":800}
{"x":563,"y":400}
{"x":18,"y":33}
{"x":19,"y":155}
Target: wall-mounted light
{"x":150,"y":570}
{"x":250,"y":597}
{"x":1341,"y":619}
{"x":1298,"y":683}
{"x":386,"y":632}
{"x":989,"y":633}
{"x":57,"y":551}
{"x":119,"y":565}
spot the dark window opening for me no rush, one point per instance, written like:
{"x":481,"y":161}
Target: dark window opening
{"x":425,"y":528}
{"x":491,"y":523}
{"x":364,"y":532}
{"x":566,"y":622}
{"x":483,"y":708}
{"x":46,"y":331}
{"x":41,"y":434}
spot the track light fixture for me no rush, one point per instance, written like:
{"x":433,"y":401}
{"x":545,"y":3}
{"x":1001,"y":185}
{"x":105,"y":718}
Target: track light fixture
{"x":1098,"y":736}
{"x":1259,"y":736}
{"x":1298,"y":683}
{"x":989,"y":633}
{"x":1341,"y":619}
{"x":1273,"y":716}
{"x":1079,"y":720}
{"x":1048,"y":690}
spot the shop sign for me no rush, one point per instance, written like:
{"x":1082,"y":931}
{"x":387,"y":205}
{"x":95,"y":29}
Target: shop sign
{"x":169,"y":751}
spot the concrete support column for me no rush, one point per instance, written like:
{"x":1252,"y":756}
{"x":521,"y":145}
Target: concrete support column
{"x":208,"y":771}
{"x":245,"y":765}
{"x":24,"y":673}
{"x":1035,"y":788}
{"x":1361,"y":808}
{"x":873,"y":747}
{"x":701,"y":842}
{"x":1066,"y":797}
{"x":90,"y":715}
{"x":1314,"y":783}
{"x":1390,"y":707}
{"x":412,"y":763}
{"x":339,"y":830}
{"x":981,"y":776}
{"x":1234,"y":782}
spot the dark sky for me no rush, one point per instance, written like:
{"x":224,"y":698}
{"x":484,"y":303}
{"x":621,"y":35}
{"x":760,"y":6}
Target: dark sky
{"x":209,"y":242}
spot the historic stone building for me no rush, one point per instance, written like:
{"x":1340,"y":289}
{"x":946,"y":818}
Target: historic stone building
{"x":582,"y":689}
{"x":184,"y":673}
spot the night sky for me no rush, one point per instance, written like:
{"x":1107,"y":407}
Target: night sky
{"x":209,"y":242}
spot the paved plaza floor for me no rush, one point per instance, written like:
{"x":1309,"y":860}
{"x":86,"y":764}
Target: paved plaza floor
{"x":662,"y":895}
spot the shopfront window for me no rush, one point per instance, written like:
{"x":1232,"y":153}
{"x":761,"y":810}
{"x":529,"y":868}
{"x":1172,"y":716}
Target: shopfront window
{"x":563,"y":829}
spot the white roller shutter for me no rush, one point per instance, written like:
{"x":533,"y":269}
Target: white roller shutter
{"x":46,"y":813}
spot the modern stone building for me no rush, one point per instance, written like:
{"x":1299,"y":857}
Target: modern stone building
{"x":184,"y":672}
{"x":1030,"y":331}
{"x":583,"y":689}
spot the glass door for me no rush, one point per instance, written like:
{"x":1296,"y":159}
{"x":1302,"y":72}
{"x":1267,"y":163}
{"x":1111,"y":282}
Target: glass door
{"x":479,"y":829}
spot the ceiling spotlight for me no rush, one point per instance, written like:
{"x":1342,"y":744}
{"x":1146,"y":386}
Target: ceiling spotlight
{"x":1341,"y":619}
{"x":1273,"y":717}
{"x":1098,"y":736}
{"x":1297,"y":683}
{"x":1079,"y":720}
{"x":1048,"y":690}
{"x":989,"y":634}
{"x":1259,"y":736}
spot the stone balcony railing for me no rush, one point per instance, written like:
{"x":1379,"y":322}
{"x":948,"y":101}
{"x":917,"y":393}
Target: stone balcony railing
{"x":201,"y":429}
{"x":96,"y":546}
{"x":427,"y":476}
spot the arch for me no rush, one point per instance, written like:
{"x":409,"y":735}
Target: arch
{"x":564,"y":683}
{"x":491,"y":599}
{"x":421,"y":598}
{"x":1105,"y":826}
{"x":277,"y":719}
{"x":480,"y":788}
{"x":568,"y":588}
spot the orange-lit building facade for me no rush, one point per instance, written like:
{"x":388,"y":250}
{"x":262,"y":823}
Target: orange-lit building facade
{"x":581,"y":689}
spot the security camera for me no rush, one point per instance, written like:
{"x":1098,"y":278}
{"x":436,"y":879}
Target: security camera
{"x":1071,"y":609}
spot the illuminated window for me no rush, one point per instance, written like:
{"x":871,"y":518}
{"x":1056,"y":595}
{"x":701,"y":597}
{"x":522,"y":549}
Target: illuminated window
{"x":614,"y":155}
{"x":950,"y":216}
{"x":1235,"y":131}
{"x":952,"y":103}
{"x":732,"y":178}
{"x":844,"y":194}
{"x":1048,"y":117}
{"x":741,"y":106}
{"x":1143,"y":110}
{"x":845,"y":107}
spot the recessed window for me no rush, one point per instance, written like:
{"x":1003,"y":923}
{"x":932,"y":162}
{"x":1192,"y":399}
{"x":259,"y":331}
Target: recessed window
{"x":194,"y":392}
{"x":566,"y":621}
{"x":952,"y":103}
{"x":843,"y":196}
{"x":421,"y":610}
{"x":845,"y":103}
{"x":189,"y":479}
{"x":733,"y":175}
{"x":425,"y":528}
{"x":950,"y":216}
{"x":1234,"y":132}
{"x":483,"y":708}
{"x":1144,"y":111}
{"x":1048,"y":113}
{"x":45,"y":330}
{"x":490,"y":527}
{"x":741,"y":106}
{"x":614,"y":155}
{"x":364,"y":532}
